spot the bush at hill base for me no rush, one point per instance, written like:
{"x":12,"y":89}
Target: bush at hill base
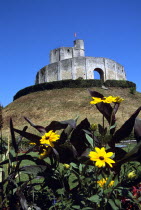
{"x":79,"y":83}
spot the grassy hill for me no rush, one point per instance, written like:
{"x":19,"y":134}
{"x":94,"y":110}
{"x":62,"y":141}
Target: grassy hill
{"x":62,"y":104}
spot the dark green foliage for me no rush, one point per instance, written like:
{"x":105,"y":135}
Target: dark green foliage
{"x":132,"y":90}
{"x":79,"y":83}
{"x":119,"y":83}
{"x":58,"y":85}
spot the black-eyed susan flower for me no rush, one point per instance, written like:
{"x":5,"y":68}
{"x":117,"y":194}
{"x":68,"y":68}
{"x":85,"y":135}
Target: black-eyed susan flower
{"x":96,"y":100}
{"x":49,"y":137}
{"x":118,"y":99}
{"x":101,"y":157}
{"x":103,"y":181}
{"x":108,"y":100}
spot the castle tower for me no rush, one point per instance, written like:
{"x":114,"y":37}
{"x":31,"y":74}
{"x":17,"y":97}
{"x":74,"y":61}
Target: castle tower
{"x":71,"y":63}
{"x":63,"y":53}
{"x":78,"y":49}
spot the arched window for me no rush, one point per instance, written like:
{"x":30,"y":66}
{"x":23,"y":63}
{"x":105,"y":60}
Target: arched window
{"x":98,"y":74}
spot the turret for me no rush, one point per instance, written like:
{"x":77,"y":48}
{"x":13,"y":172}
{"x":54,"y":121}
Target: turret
{"x":63,"y":53}
{"x":78,"y":49}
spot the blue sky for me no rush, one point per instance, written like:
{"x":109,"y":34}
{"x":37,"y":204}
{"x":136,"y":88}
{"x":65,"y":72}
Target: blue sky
{"x":29,"y":29}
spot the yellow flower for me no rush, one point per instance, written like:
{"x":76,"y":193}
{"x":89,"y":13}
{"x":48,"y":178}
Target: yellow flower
{"x":49,"y":137}
{"x":108,"y":100}
{"x":113,"y":99}
{"x":101,"y":157}
{"x":44,"y":153}
{"x":66,"y":165}
{"x":96,"y":100}
{"x":103,"y":181}
{"x":131,"y":175}
{"x":111,"y":183}
{"x":33,"y":143}
{"x":118,"y":99}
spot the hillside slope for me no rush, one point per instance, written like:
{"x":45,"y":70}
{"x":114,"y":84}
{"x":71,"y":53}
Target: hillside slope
{"x":63,"y":104}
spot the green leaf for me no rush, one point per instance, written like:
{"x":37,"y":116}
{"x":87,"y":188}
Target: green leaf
{"x":33,"y":169}
{"x":113,"y":205}
{"x":76,"y":207}
{"x":109,"y":179}
{"x":113,"y":126}
{"x":73,"y":181}
{"x":94,"y":199}
{"x":61,"y":191}
{"x":90,"y":140}
{"x":74,"y":165}
{"x":108,"y":190}
{"x":86,"y":131}
{"x":116,"y":181}
{"x":80,"y":168}
{"x":2,"y":173}
{"x":118,"y":202}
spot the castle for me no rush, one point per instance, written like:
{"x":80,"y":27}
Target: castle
{"x":71,"y":63}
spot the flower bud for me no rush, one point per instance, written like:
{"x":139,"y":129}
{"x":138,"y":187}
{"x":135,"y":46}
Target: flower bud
{"x":93,"y":127}
{"x":66,"y":165}
{"x":131,"y":175}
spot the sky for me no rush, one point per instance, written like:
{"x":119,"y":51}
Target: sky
{"x":29,"y":29}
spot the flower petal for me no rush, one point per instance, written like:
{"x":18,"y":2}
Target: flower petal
{"x":109,"y":154}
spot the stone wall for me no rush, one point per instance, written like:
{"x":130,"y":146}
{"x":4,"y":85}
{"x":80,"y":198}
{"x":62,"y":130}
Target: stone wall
{"x":84,"y":67}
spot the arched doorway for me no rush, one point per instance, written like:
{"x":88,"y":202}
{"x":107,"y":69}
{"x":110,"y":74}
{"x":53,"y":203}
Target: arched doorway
{"x":99,"y":74}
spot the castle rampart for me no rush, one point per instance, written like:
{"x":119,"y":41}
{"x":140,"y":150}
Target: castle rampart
{"x":71,"y":63}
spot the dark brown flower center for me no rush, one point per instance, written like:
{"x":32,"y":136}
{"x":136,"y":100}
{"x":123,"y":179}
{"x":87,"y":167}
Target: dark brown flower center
{"x":47,"y":138}
{"x":101,"y":157}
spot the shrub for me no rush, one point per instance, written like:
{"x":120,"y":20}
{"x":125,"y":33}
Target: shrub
{"x":79,"y":83}
{"x":132,"y":90}
{"x":119,"y":83}
{"x":58,"y":85}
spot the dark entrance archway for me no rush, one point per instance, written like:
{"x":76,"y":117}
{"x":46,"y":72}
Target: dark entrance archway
{"x":99,"y":74}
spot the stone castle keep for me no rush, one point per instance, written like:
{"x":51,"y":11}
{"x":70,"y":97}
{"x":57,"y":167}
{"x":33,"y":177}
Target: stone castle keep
{"x":71,"y":63}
